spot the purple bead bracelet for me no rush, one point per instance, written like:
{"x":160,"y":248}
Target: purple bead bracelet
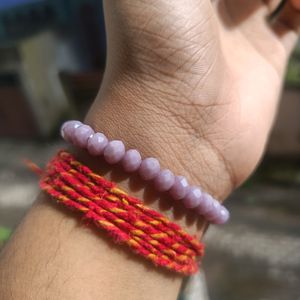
{"x":114,"y":151}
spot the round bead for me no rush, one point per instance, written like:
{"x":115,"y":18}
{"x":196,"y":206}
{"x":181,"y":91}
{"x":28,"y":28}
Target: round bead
{"x":81,"y":135}
{"x":223,"y":216}
{"x":180,"y":188}
{"x":97,"y":143}
{"x":205,"y":204}
{"x":164,"y":180}
{"x":68,"y":128}
{"x":114,"y":151}
{"x":193,"y":197}
{"x":149,"y":168}
{"x":214,"y":212}
{"x":131,"y":160}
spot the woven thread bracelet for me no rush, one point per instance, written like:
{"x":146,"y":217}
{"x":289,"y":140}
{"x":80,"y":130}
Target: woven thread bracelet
{"x":149,"y":169}
{"x":126,"y":219}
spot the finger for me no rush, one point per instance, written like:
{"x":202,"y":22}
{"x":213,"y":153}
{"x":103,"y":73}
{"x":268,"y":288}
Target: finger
{"x":287,"y":24}
{"x":272,"y":5}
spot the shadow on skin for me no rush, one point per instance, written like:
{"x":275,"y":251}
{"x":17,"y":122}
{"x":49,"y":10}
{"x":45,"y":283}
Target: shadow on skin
{"x":231,"y":20}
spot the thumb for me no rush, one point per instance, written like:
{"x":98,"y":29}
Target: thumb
{"x":157,"y":31}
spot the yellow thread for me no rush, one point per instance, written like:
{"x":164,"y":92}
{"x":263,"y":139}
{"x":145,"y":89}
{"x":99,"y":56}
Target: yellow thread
{"x":139,"y":224}
{"x":165,"y":257}
{"x":84,"y":209}
{"x":117,"y":210}
{"x":169,"y":232}
{"x":125,"y":201}
{"x":62,"y":198}
{"x":176,"y":245}
{"x":154,"y":222}
{"x":132,"y":242}
{"x":66,"y":188}
{"x":91,"y":183}
{"x":170,"y":251}
{"x":158,"y":235}
{"x":83,"y":199}
{"x":152,"y":256}
{"x":164,"y":220}
{"x":154,"y":242}
{"x":112,"y":198}
{"x":119,"y":221}
{"x":182,"y":258}
{"x":95,"y":175}
{"x":105,"y":223}
{"x":138,"y":232}
{"x":118,"y":191}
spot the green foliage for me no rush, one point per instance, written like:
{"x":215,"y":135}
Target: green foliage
{"x":4,"y":234}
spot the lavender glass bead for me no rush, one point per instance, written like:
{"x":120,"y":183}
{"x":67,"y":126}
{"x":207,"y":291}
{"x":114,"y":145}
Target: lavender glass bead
{"x":114,"y":151}
{"x":223,"y":216}
{"x":193,"y":197}
{"x":81,"y":135}
{"x":68,"y":128}
{"x":131,"y":160}
{"x":180,"y":188}
{"x":164,"y":180}
{"x":213,"y":214}
{"x":212,"y":210}
{"x":97,"y":143}
{"x":149,"y":168}
{"x":205,"y":204}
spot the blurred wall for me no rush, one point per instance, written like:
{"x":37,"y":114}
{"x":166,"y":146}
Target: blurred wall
{"x":285,"y":137}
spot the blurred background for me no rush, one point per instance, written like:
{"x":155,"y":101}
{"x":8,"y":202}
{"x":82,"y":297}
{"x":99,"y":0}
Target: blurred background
{"x":52,"y":56}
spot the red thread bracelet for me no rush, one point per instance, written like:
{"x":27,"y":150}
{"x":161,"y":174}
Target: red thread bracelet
{"x":125,"y":218}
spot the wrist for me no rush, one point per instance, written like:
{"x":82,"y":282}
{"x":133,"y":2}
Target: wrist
{"x":127,"y":112}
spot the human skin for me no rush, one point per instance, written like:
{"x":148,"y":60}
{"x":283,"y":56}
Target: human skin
{"x":195,"y":83}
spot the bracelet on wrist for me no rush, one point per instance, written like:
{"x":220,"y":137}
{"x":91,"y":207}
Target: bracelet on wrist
{"x":114,"y":151}
{"x":126,"y":219}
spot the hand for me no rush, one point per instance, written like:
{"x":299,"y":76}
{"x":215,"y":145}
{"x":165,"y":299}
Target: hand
{"x":196,"y":83}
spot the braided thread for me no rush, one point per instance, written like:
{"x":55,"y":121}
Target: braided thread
{"x":149,"y":214}
{"x":125,"y":218}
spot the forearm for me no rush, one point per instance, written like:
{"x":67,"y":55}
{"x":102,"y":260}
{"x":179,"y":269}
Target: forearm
{"x":52,"y":255}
